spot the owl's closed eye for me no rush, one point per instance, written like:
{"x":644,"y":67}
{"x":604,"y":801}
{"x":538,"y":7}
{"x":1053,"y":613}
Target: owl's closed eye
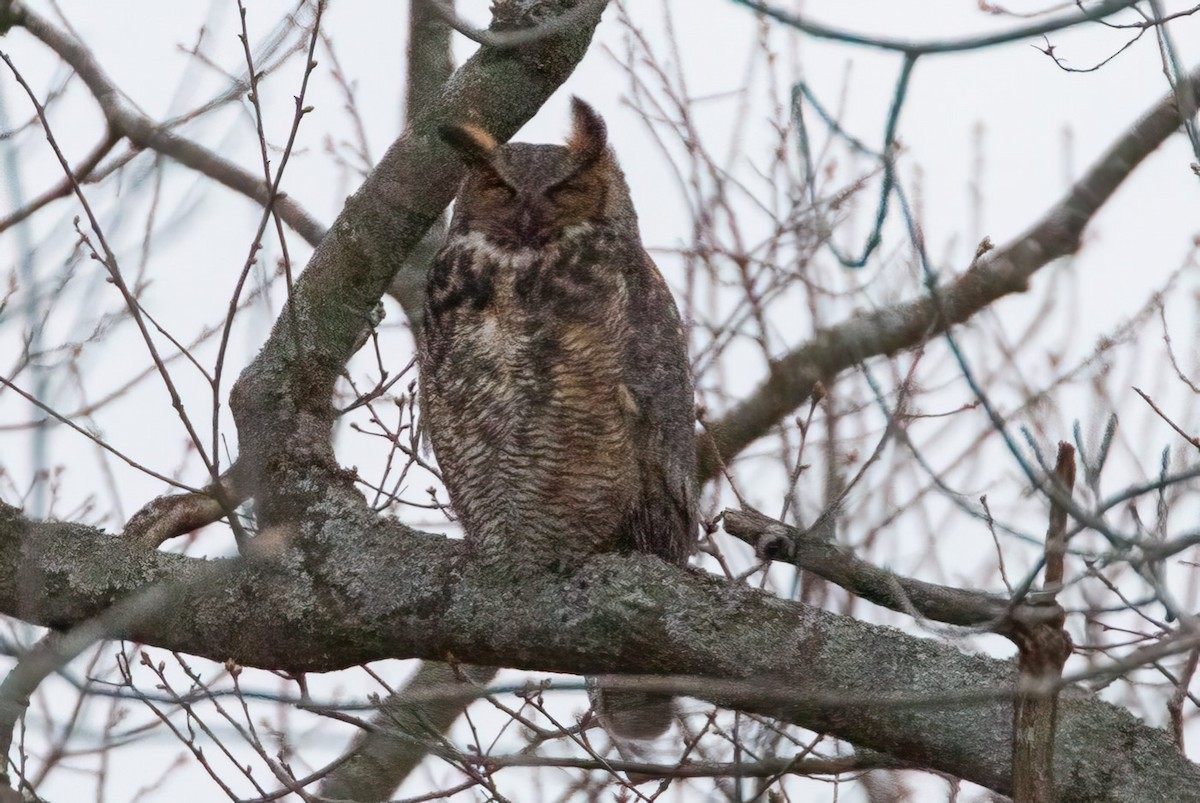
{"x":524,"y":195}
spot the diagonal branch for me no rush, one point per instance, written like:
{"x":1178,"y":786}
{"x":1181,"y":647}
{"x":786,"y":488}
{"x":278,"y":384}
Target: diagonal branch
{"x":65,"y":187}
{"x":281,"y":402}
{"x":125,"y":120}
{"x":836,"y":563}
{"x":992,"y":276}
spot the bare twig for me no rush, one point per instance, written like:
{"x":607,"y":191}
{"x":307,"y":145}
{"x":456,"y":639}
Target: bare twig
{"x":803,"y":23}
{"x":64,"y":188}
{"x":126,"y":120}
{"x":269,"y":211}
{"x":700,"y":769}
{"x":58,"y":649}
{"x":109,"y":260}
{"x":92,"y":437}
{"x":1192,"y":439}
{"x":999,"y":273}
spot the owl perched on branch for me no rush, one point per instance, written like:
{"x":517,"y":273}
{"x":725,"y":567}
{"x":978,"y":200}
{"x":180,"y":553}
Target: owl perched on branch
{"x":554,"y":374}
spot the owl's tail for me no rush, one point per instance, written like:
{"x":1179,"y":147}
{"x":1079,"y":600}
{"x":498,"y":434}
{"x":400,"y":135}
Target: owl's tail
{"x":633,"y":714}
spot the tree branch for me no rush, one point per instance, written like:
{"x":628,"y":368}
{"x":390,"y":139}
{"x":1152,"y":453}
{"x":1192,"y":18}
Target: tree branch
{"x":126,"y":120}
{"x":281,"y":402}
{"x":506,"y":37}
{"x":775,"y":540}
{"x":430,"y":64}
{"x":991,"y":277}
{"x":384,"y":591}
{"x":66,"y":186}
{"x":911,"y":48}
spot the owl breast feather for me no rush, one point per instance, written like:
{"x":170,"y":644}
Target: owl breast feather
{"x":525,"y":399}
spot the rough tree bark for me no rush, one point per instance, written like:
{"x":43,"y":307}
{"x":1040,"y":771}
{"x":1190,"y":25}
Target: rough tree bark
{"x":369,"y":589}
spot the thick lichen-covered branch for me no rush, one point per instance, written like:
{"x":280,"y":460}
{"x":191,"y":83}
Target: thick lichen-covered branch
{"x":383,"y":591}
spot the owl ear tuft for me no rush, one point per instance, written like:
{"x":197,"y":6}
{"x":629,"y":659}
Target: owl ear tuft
{"x":589,"y":135}
{"x":473,"y":143}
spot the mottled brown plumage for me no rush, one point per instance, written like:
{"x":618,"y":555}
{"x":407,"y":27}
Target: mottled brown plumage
{"x":554,"y":376}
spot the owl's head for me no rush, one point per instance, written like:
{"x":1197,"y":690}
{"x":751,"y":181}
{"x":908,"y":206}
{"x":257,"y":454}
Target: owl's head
{"x":520,"y":195}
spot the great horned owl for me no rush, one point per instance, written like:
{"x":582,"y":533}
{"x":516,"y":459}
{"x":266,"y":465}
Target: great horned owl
{"x":554,"y":375}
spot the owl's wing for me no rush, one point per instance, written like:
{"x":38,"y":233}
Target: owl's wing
{"x":659,"y":380}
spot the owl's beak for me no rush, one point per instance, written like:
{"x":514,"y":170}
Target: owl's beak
{"x":530,"y":226}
